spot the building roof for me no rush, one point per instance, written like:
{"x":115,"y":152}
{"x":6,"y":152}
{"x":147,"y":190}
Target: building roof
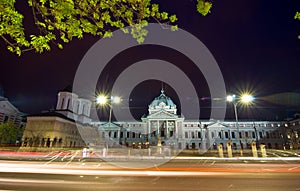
{"x":51,"y":114}
{"x":7,"y":107}
{"x":162,"y":99}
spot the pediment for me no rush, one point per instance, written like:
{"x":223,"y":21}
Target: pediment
{"x":216,"y":125}
{"x":162,"y":114}
{"x":110,"y":126}
{"x":6,"y":105}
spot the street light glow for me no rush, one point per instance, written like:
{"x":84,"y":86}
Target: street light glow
{"x":247,"y":98}
{"x":101,"y":99}
{"x":242,"y":99}
{"x":230,"y":98}
{"x":115,"y":99}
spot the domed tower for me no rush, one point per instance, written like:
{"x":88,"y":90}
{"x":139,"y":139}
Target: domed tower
{"x":70,"y":105}
{"x":162,"y":102}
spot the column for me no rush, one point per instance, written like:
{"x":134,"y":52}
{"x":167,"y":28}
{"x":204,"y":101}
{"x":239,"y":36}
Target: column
{"x":45,"y":142}
{"x":40,"y":142}
{"x":158,"y":129}
{"x":119,"y":136}
{"x":51,"y":141}
{"x":167,"y":129}
{"x":149,"y":129}
{"x":176,"y":130}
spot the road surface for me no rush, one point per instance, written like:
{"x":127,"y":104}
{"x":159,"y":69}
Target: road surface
{"x":180,"y":174}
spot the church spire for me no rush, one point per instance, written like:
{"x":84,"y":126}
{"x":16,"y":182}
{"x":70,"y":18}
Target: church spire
{"x":162,"y":88}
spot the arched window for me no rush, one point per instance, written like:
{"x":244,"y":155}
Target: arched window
{"x":78,"y":107}
{"x":68,"y":104}
{"x":62,"y":103}
{"x":83,"y":109}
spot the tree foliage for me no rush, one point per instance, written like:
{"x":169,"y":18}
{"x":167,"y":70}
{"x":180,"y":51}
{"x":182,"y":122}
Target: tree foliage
{"x":60,"y":21}
{"x":9,"y":132}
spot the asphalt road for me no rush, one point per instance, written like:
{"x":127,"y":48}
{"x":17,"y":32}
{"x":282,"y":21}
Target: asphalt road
{"x":174,"y":175}
{"x":217,"y":181}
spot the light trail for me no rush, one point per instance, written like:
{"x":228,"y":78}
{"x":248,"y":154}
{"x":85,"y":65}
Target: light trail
{"x":82,"y":170}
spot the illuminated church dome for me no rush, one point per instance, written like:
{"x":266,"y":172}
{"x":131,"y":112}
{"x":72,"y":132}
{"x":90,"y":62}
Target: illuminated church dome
{"x":162,"y":102}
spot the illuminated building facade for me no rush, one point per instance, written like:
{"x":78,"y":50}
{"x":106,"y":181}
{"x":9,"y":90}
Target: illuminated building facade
{"x":70,"y":125}
{"x":163,"y":126}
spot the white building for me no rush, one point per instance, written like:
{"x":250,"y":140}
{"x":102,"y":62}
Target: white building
{"x":68,"y":126}
{"x":164,"y":126}
{"x":8,"y":112}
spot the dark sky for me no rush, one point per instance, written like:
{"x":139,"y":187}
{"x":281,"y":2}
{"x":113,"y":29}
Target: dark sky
{"x":254,"y":42}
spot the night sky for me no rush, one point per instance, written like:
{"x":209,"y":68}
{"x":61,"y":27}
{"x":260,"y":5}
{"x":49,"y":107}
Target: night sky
{"x":254,"y":42}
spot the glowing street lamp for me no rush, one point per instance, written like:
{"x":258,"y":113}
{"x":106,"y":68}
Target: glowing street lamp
{"x":101,"y":100}
{"x":244,"y":99}
{"x":104,"y":100}
{"x":247,"y":98}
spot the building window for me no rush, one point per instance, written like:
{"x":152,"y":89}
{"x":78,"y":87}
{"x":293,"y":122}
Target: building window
{"x":199,"y":135}
{"x":128,"y":135}
{"x":220,"y":135}
{"x":233,"y":135}
{"x":226,"y":135}
{"x":83,"y":109}
{"x":5,"y":118}
{"x":171,"y":133}
{"x":68,"y":104}
{"x":121,"y":134}
{"x":193,"y":135}
{"x":260,"y":135}
{"x":267,"y":135}
{"x":246,"y":134}
{"x":62,"y":103}
{"x":253,"y":134}
{"x":186,"y":135}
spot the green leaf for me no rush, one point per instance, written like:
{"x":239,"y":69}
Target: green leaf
{"x":164,"y":15}
{"x":297,"y":15}
{"x":60,"y":46}
{"x":203,"y":7}
{"x":173,"y":18}
{"x":107,"y":34}
{"x":174,"y":28}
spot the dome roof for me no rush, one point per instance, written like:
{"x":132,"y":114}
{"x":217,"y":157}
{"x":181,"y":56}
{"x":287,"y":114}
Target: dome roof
{"x":162,"y":100}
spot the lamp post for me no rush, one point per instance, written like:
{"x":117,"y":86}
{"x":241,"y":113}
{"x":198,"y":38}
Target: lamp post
{"x":103,"y":100}
{"x":243,"y":99}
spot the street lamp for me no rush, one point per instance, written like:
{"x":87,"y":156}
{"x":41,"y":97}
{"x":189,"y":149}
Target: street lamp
{"x":104,"y":100}
{"x":243,"y":99}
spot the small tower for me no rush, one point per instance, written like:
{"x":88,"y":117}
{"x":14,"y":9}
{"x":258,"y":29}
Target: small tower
{"x":70,"y":105}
